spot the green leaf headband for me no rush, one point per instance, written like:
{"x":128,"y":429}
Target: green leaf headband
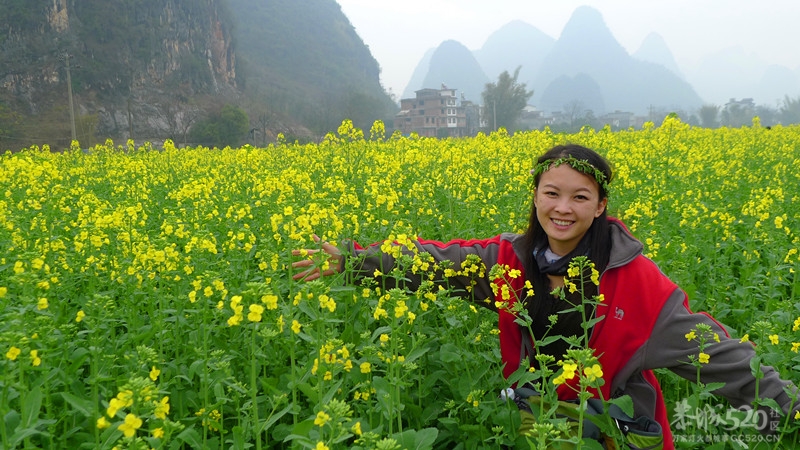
{"x":581,"y":165}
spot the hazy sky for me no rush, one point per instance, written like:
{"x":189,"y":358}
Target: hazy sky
{"x":399,"y":32}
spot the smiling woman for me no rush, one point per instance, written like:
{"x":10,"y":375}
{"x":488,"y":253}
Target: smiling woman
{"x":576,"y":296}
{"x":567,"y":202}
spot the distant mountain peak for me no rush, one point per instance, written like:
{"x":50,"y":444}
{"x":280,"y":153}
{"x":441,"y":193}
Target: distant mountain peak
{"x":655,"y":50}
{"x":587,"y":21}
{"x":454,"y":65}
{"x":515,"y":44}
{"x":587,"y":46}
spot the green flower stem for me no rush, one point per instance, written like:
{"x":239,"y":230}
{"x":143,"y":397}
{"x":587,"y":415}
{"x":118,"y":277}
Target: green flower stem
{"x":4,"y":411}
{"x":254,"y":386}
{"x":204,"y":388}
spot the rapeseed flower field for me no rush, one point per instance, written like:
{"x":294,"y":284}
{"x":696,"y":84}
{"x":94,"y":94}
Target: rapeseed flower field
{"x":146,"y":297}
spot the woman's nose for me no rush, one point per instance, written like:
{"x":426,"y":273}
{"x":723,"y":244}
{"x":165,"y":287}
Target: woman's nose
{"x":563,"y":205}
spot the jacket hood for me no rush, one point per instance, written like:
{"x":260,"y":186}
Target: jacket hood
{"x":624,"y":247}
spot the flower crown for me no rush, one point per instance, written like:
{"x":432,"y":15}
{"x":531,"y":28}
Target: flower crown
{"x":581,"y":165}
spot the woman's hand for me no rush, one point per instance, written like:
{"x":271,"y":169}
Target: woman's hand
{"x":314,"y":268}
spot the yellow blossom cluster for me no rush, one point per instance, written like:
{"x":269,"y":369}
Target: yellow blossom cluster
{"x":135,"y":243}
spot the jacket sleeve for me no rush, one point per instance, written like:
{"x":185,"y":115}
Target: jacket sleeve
{"x":472,"y":284}
{"x":729,"y":359}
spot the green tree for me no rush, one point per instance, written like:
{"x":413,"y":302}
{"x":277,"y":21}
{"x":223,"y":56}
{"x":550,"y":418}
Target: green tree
{"x":229,"y":126}
{"x":790,"y":110}
{"x":738,"y":113}
{"x":504,"y":100}
{"x":709,"y":116}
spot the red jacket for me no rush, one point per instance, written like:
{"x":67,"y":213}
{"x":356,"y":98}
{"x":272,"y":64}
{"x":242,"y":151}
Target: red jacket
{"x":646,"y":318}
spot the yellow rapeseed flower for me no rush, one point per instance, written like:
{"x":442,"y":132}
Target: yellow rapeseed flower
{"x":79,"y":316}
{"x":366,"y":367}
{"x":321,"y":446}
{"x":131,"y":424}
{"x":42,"y":303}
{"x":745,"y":338}
{"x":296,"y":326}
{"x":219,"y":285}
{"x":569,"y":370}
{"x":3,"y":291}
{"x":774,"y":339}
{"x":158,"y":433}
{"x":102,"y":423}
{"x":400,"y":309}
{"x":321,"y":419}
{"x":114,"y":405}
{"x":271,"y":301}
{"x":593,"y":372}
{"x":162,"y":408}
{"x":154,"y":373}
{"x":234,"y":320}
{"x":703,"y":358}
{"x":12,"y":353}
{"x":35,"y":360}
{"x":690,"y":335}
{"x":379,"y":312}
{"x":255,"y":313}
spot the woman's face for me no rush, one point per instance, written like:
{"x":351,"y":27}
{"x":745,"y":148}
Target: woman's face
{"x":567,"y":202}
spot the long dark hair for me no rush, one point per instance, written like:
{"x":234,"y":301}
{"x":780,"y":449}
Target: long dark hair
{"x":597,"y":235}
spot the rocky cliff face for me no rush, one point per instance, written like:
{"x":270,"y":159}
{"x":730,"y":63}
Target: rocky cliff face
{"x":133,"y":64}
{"x":150,"y":69}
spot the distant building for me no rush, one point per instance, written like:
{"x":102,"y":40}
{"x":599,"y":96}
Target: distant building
{"x":618,"y":120}
{"x":438,"y":113}
{"x":531,"y":119}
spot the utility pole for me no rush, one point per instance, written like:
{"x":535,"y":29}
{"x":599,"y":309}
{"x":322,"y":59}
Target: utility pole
{"x":66,"y":57}
{"x":494,"y":112}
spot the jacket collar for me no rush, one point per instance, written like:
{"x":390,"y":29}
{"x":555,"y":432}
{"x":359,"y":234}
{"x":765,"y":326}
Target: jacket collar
{"x":624,"y":247}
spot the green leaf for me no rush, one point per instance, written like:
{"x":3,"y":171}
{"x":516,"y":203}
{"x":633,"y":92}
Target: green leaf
{"x":33,"y":402}
{"x":416,"y":353}
{"x":711,"y":387}
{"x":625,"y":403}
{"x":417,"y":440}
{"x":755,"y":367}
{"x":82,"y":405}
{"x":11,"y":420}
{"x":274,"y":418}
{"x":238,"y":438}
{"x":334,"y":389}
{"x":191,"y":437}
{"x":450,"y":353}
{"x":21,"y":435}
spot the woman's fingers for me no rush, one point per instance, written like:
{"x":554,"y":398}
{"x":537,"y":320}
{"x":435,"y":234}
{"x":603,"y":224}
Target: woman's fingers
{"x":307,"y":275}
{"x":313,"y":272}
